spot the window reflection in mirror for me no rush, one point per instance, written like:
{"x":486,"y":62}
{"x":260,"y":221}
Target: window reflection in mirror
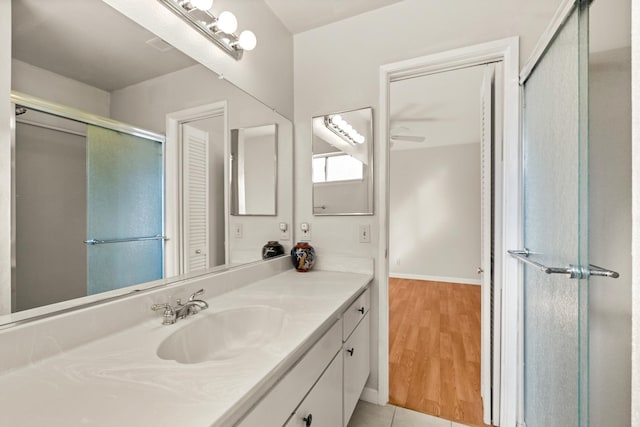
{"x":342,"y":163}
{"x":254,"y":160}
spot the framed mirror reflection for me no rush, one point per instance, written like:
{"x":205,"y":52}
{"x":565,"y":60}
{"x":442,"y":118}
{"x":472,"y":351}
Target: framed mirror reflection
{"x":254,"y":174}
{"x":342,"y":163}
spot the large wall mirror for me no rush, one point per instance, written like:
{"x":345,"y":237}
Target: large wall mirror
{"x":342,"y":163}
{"x":122,"y":160}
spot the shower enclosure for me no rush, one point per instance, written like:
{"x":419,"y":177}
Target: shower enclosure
{"x":88,"y":204}
{"x":556,"y":255}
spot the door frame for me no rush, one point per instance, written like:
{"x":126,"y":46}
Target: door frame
{"x":507,"y":51}
{"x":173,"y":180}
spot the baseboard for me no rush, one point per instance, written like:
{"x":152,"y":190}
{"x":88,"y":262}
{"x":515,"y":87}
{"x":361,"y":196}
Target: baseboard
{"x":370,"y":395}
{"x":435,"y":278}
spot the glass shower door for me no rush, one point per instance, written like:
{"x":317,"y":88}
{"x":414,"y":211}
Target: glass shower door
{"x":124,"y":210}
{"x":556,"y":289}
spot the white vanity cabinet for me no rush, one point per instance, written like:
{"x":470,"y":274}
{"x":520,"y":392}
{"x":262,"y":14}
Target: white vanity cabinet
{"x":323,"y":387}
{"x":322,"y":406}
{"x":355,"y":351}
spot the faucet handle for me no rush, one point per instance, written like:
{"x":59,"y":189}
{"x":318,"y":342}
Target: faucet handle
{"x":196,"y":294}
{"x":169,"y":315}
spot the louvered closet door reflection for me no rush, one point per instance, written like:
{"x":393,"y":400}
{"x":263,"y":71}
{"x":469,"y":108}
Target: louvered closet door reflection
{"x":195,"y":149}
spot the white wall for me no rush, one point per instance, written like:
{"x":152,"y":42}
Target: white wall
{"x":610,"y":236}
{"x":341,"y":196}
{"x":266,"y":72}
{"x":146,"y":104}
{"x":45,"y":84}
{"x":434,"y":217}
{"x":336,"y":69}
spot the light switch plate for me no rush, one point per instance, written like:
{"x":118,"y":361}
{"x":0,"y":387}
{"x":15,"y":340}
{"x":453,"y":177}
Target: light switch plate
{"x":365,"y":233}
{"x":237,"y":231}
{"x":284,"y":231}
{"x":306,"y":232}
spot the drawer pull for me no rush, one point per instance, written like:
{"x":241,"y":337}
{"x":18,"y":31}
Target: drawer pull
{"x":361,"y":310}
{"x":308,"y":420}
{"x":350,"y":351}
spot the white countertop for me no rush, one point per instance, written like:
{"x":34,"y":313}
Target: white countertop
{"x":120,"y":381}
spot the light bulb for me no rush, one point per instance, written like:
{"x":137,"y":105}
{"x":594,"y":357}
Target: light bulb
{"x":227,"y":22}
{"x":347,"y":129}
{"x":336,"y":119}
{"x":247,"y":40}
{"x":202,"y":4}
{"x":359,"y":139}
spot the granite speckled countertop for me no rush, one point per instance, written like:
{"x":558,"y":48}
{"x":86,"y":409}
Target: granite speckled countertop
{"x":120,"y":380}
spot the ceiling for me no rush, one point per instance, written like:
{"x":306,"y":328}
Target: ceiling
{"x":303,"y":15}
{"x":443,"y":108}
{"x":90,"y":42}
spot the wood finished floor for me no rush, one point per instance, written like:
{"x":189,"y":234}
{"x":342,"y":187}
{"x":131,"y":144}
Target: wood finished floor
{"x":434,"y":353}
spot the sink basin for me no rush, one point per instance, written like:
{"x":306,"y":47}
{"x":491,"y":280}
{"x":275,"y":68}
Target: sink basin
{"x":222,"y":335}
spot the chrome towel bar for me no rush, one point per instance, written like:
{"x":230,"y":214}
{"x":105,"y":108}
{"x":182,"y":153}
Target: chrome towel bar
{"x":572,"y":271}
{"x":129,"y":239}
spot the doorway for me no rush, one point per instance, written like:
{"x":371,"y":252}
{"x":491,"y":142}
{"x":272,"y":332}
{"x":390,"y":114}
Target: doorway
{"x":196,"y":188}
{"x":497,"y":354}
{"x":440,"y":233}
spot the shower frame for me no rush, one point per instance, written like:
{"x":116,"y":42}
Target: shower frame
{"x":19,"y":99}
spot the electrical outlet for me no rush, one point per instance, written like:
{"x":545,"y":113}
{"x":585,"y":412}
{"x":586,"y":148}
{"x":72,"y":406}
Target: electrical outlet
{"x":237,"y":231}
{"x":365,"y":233}
{"x":306,"y":232}
{"x":284,"y":231}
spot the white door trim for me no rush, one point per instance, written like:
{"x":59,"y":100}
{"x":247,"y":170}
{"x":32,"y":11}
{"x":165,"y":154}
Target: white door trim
{"x":507,"y":51}
{"x":173,"y":180}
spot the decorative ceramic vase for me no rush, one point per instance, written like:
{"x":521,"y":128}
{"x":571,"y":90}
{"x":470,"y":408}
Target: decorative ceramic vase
{"x":271,"y":249}
{"x":303,"y":256}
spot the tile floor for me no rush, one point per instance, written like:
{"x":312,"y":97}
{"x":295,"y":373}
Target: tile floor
{"x":370,"y":415}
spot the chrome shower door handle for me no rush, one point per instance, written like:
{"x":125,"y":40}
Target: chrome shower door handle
{"x":572,"y":271}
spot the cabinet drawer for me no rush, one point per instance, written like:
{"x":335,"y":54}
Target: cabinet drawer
{"x":279,"y":403}
{"x":356,"y":366}
{"x":323,"y":405}
{"x":355,"y":313}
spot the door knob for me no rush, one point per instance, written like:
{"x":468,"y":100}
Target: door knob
{"x":198,"y":251}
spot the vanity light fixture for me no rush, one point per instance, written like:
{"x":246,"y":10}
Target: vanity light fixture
{"x":219,"y":29}
{"x":340,"y":127}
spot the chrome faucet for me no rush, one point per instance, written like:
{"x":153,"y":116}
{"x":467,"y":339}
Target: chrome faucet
{"x":180,"y":311}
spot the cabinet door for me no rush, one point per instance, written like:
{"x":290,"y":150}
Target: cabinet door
{"x":356,"y":366}
{"x":276,"y":407}
{"x":323,"y":405}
